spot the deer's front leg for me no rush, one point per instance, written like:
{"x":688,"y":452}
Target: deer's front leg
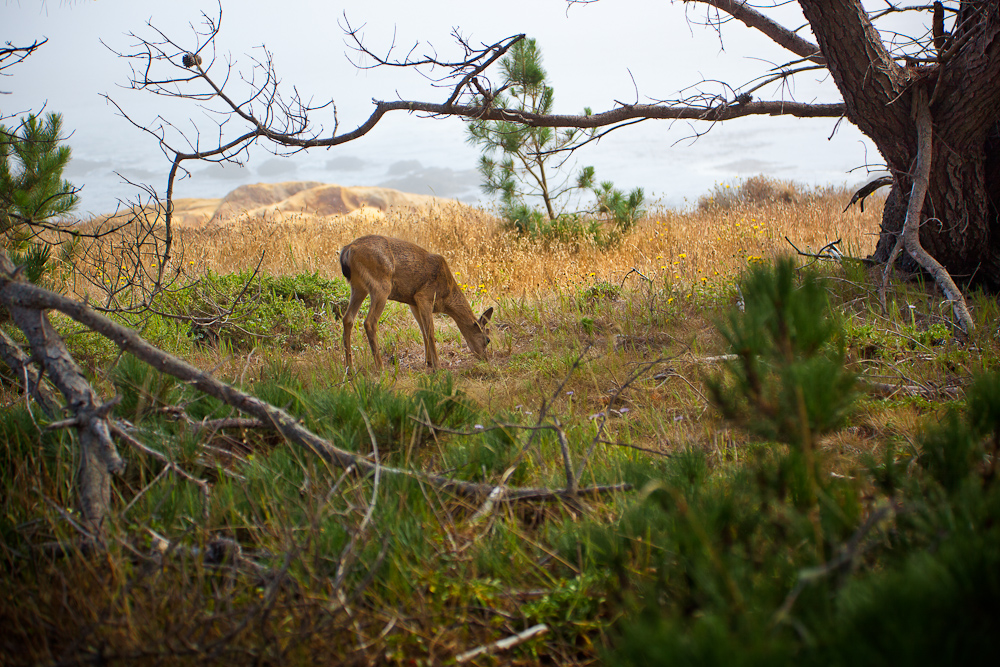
{"x":424,"y":315}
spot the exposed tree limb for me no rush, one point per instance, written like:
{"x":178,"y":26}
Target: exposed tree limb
{"x":743,"y":11}
{"x":98,"y":457}
{"x":911,"y":227}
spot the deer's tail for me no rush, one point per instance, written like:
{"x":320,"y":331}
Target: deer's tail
{"x":345,"y":262}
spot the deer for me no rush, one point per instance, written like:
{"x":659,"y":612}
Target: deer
{"x":397,"y":270}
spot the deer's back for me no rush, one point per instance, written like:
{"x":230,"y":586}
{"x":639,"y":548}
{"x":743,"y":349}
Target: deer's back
{"x":408,"y":267}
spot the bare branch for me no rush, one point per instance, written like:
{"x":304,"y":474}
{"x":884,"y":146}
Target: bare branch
{"x":780,"y":35}
{"x":503,"y":644}
{"x":11,"y":55}
{"x":28,"y":375}
{"x":911,"y":227}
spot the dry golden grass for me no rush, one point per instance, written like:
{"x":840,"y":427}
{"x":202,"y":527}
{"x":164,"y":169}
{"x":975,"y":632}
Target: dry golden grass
{"x":538,"y":328}
{"x":684,"y":248}
{"x":543,"y":322}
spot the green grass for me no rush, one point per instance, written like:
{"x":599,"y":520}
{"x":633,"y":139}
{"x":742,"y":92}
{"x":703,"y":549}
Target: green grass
{"x":696,"y":563}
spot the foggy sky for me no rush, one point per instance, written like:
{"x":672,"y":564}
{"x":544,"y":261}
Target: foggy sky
{"x":595,"y":55}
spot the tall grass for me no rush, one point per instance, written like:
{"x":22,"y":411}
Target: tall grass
{"x":689,"y":247}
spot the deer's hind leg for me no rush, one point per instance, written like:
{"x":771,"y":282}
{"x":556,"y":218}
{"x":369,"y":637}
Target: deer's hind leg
{"x":358,"y":295}
{"x":375,"y":308}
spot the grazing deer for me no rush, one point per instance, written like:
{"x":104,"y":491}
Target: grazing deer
{"x":402,"y":271}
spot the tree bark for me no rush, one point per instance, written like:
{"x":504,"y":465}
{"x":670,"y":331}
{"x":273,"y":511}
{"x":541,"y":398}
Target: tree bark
{"x":98,"y":457}
{"x":28,"y":375}
{"x":959,"y":219}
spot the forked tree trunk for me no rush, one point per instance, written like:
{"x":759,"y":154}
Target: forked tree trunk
{"x":959,"y":225}
{"x":962,"y":229}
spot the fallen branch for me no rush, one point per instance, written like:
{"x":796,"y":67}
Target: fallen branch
{"x":884,"y":390}
{"x":503,"y":644}
{"x":98,"y":458}
{"x":28,"y":375}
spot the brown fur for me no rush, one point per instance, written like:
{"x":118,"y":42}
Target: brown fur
{"x":392,"y":269}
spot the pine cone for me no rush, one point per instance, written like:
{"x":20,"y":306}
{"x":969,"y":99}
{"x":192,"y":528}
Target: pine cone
{"x":191,"y":59}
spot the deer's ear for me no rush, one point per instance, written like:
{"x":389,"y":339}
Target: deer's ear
{"x":485,"y":319}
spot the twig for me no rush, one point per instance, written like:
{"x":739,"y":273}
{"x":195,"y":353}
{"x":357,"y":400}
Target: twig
{"x":91,"y":537}
{"x":847,"y":553}
{"x":28,"y":375}
{"x":636,"y":271}
{"x":504,"y":644}
{"x":640,"y":372}
{"x":118,"y":429}
{"x":666,"y":455}
{"x":499,"y":492}
{"x":866,"y":190}
{"x":347,"y":554}
{"x":571,"y":480}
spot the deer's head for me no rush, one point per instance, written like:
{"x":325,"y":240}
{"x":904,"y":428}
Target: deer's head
{"x":480,"y":337}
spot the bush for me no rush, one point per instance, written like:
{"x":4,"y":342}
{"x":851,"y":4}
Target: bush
{"x":289,"y":311}
{"x":757,"y":190}
{"x":775,"y":561}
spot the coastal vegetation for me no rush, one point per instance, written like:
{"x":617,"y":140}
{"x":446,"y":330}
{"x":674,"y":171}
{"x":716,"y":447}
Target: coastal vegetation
{"x":780,"y":467}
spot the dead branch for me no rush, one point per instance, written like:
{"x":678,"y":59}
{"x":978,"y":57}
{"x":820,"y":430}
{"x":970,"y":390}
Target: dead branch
{"x":845,"y":557}
{"x":29,"y":377}
{"x":347,"y":554}
{"x":220,"y":552}
{"x":911,"y":226}
{"x":885,"y":390}
{"x":121,"y":432}
{"x":867,"y":190}
{"x":98,"y":458}
{"x":598,"y":437}
{"x":503,"y":644}
{"x":637,"y":272}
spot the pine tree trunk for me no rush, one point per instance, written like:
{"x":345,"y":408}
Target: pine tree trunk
{"x":959,"y":224}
